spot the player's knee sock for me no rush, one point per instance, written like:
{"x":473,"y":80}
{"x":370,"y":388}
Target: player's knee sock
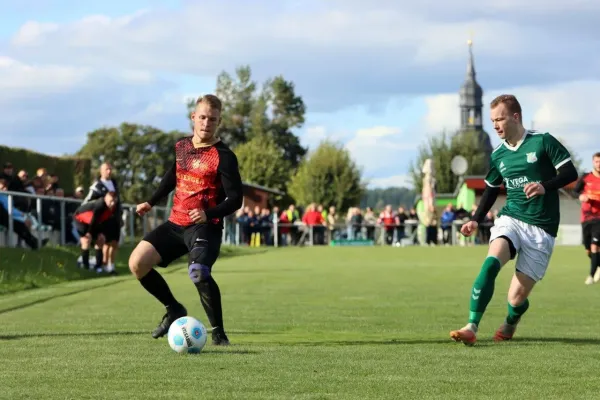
{"x":210,"y":294}
{"x":594,"y":263}
{"x":515,"y":312}
{"x":85,"y":258}
{"x":156,"y":285}
{"x":99,"y":257}
{"x":483,"y":289}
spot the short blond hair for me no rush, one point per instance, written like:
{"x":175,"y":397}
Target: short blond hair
{"x":511,"y":103}
{"x":213,"y":101}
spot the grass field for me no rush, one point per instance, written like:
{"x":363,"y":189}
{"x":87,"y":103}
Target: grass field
{"x":309,"y":323}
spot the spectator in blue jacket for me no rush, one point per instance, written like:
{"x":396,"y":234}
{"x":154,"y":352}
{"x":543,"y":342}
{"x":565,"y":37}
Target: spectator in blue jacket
{"x":21,"y":224}
{"x":448,"y":217}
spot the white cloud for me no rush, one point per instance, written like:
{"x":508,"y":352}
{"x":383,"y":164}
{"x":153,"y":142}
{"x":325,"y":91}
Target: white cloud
{"x":416,"y":46}
{"x":72,"y":77}
{"x":46,"y":106}
{"x":378,"y":150}
{"x":391,"y":181}
{"x":18,"y":79}
{"x":314,"y":135}
{"x":443,"y":113}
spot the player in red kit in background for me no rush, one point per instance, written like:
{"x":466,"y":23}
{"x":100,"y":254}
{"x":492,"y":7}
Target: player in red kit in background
{"x":90,"y":221}
{"x":208,"y":187}
{"x":588,"y":188}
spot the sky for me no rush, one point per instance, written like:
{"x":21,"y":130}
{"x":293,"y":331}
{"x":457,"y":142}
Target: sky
{"x":380,"y":76}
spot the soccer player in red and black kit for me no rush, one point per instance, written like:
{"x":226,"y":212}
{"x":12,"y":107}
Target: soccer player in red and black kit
{"x":89,"y":220}
{"x":208,"y":187}
{"x":588,"y":188}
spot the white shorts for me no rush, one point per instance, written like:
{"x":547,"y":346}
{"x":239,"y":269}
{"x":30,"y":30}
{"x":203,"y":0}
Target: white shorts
{"x":534,"y":245}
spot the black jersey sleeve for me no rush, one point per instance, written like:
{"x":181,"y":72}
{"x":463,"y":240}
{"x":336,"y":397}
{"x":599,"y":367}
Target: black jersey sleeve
{"x":231,"y":182}
{"x":166,"y":186}
{"x":580,"y":184}
{"x":490,"y":194}
{"x":567,"y":173}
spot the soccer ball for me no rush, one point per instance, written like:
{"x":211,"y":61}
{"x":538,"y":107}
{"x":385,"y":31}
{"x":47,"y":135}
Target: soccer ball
{"x":187,"y":335}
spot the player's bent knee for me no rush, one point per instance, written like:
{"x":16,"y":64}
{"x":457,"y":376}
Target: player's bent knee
{"x":142,"y":259}
{"x":199,"y":272}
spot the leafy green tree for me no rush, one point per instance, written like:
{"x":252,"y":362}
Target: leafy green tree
{"x":140,"y":156}
{"x":262,"y":163}
{"x":442,"y":149}
{"x":274,"y":110}
{"x":395,"y":196}
{"x":330,"y":177}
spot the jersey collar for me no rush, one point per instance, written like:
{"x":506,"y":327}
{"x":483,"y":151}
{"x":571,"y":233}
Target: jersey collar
{"x":519,"y":143}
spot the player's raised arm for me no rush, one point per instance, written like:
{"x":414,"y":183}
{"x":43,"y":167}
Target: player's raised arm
{"x":231,"y":181}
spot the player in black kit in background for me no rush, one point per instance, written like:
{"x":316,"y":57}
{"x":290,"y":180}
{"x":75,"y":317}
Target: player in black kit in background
{"x":208,"y":187}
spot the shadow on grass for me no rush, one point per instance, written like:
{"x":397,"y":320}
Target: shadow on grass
{"x":112,"y":281}
{"x":208,"y":349}
{"x":123,"y":277}
{"x":18,"y":336}
{"x":527,"y":341}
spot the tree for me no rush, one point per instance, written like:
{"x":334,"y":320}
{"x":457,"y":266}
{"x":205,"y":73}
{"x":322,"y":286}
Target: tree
{"x":288,"y":111}
{"x":329,"y":177}
{"x":274,"y":110}
{"x":140,"y":156}
{"x":442,"y":149}
{"x":262,"y":163}
{"x":395,"y":196}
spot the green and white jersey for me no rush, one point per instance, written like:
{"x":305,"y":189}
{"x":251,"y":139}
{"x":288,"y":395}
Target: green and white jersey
{"x":534,"y":159}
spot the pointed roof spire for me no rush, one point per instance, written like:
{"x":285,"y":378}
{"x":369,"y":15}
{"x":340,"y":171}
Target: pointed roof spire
{"x":471,"y":63}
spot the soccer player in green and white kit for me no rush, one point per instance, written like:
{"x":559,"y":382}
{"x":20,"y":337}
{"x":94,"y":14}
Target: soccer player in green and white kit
{"x":532,"y":166}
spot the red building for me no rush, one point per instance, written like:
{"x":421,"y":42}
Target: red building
{"x":257,"y":195}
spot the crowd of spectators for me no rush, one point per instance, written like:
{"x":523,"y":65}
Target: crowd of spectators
{"x":257,"y":226}
{"x":47,"y":217}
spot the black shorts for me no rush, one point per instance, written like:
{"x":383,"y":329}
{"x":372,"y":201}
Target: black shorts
{"x":111,"y":228}
{"x":82,"y":229}
{"x":591,"y":234}
{"x":172,"y":242}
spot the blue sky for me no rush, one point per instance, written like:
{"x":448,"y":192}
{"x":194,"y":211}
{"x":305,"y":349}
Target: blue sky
{"x":380,"y":77}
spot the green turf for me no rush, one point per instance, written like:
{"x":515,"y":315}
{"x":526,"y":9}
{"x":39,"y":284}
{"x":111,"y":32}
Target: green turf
{"x":310,"y":323}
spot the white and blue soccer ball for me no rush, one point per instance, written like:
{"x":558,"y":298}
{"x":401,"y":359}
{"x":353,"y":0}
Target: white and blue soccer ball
{"x":187,"y":335}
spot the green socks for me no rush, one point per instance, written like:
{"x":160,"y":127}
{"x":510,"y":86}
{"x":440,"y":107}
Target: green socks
{"x":514,"y":313}
{"x":483,"y":289}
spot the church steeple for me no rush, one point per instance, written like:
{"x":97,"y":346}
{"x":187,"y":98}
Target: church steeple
{"x":471,"y":105}
{"x":471,"y":97}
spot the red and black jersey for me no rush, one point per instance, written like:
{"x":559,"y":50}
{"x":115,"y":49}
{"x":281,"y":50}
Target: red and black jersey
{"x":205,"y":177}
{"x":589,"y":184}
{"x":92,"y":214}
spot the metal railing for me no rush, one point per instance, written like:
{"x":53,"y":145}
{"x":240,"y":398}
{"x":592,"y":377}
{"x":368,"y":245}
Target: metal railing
{"x":58,"y":236}
{"x":272,"y":233}
{"x":411,"y":232}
